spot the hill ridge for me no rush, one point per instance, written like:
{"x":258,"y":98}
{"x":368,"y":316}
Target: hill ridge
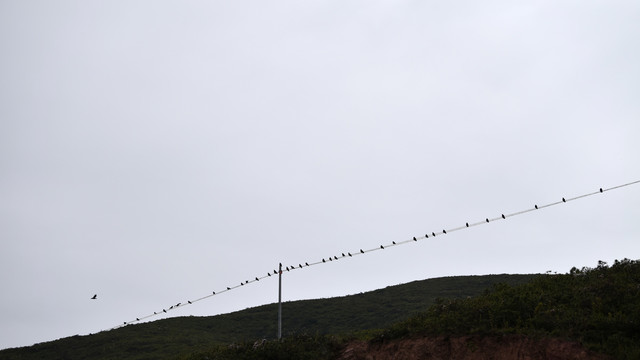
{"x":369,"y":310}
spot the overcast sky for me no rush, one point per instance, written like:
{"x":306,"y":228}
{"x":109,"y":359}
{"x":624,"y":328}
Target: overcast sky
{"x":152,"y":152}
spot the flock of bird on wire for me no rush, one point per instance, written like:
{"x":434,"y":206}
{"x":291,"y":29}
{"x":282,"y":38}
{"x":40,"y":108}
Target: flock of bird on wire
{"x":393,"y":243}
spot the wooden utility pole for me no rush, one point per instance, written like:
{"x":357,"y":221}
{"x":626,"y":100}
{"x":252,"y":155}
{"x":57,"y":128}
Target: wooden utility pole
{"x":280,"y":302}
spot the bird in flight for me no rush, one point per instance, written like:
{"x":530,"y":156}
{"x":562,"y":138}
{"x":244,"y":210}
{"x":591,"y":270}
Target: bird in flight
{"x":94,"y":297}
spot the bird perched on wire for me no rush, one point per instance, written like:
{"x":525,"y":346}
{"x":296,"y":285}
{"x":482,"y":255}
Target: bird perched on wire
{"x":94,"y":297}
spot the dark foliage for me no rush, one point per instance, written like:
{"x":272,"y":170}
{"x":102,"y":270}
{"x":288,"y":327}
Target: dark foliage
{"x":600,"y":307}
{"x":169,"y":338}
{"x":317,"y":347}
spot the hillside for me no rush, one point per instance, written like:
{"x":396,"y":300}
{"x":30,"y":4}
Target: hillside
{"x":506,"y":347}
{"x":589,"y":313}
{"x":599,"y":307}
{"x":168,"y":338}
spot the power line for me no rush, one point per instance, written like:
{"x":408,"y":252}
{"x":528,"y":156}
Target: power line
{"x":358,"y":252}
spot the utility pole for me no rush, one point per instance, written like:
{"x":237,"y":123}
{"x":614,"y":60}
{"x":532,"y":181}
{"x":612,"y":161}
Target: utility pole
{"x":280,"y":302}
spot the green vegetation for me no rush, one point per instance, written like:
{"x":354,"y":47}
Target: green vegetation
{"x":598,"y":307}
{"x":174,"y":337}
{"x":318,"y":347}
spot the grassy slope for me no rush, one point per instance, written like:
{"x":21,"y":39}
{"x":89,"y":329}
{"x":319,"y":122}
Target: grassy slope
{"x":169,"y":338}
{"x":598,"y":307}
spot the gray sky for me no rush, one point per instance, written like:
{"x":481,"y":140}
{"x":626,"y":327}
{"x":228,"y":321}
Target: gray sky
{"x":152,"y":152}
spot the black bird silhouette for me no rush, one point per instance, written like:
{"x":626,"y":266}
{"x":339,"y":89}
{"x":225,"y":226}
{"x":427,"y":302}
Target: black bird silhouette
{"x":343,"y":255}
{"x":414,"y":239}
{"x":137,"y":319}
{"x":228,"y":288}
{"x":214,"y":293}
{"x":381,"y":247}
{"x":330,"y":259}
{"x":306,"y":263}
{"x":163,"y":310}
{"x":94,"y":297}
{"x":503,"y":216}
{"x":362,"y":252}
{"x":269,"y":274}
{"x":467,"y":224}
{"x":189,"y":301}
{"x":393,"y":242}
{"x":444,"y":231}
{"x":536,"y":206}
{"x":563,"y":200}
{"x":170,"y":307}
{"x":349,"y":254}
{"x":287,"y":268}
{"x":155,"y":313}
{"x":178,"y":304}
{"x":257,"y":279}
{"x":335,"y":257}
{"x":300,"y":265}
{"x":487,"y":219}
{"x":323,"y":260}
{"x":432,"y":233}
{"x":425,"y":235}
{"x":600,"y":189}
